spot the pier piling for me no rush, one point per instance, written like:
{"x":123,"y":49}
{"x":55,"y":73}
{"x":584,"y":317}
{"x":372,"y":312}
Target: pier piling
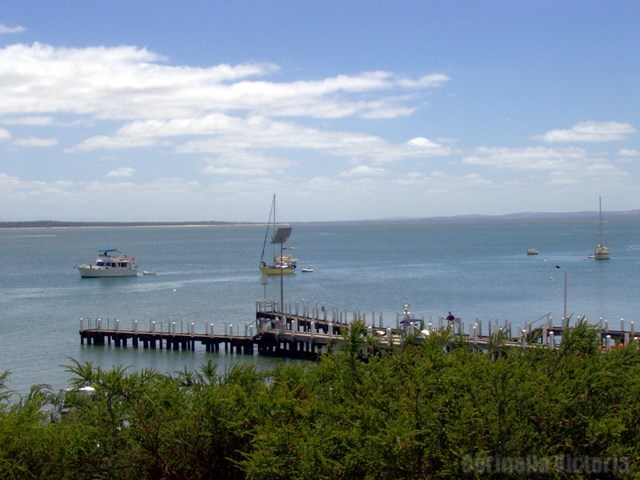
{"x":288,"y":334}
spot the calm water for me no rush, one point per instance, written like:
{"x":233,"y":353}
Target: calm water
{"x":210,"y":275}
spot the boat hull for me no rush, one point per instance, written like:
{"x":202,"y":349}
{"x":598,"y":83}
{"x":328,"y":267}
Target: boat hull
{"x":92,"y":271}
{"x":273,"y":270}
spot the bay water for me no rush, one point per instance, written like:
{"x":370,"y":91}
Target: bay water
{"x":209,"y":275}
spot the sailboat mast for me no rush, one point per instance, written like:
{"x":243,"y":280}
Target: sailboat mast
{"x":601,"y":239}
{"x":272,"y":214}
{"x":602,"y":252}
{"x":281,"y":266}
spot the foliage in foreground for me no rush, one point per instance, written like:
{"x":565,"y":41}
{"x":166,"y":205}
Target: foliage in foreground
{"x":419,"y":412}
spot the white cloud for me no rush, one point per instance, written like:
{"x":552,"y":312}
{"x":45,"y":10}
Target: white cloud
{"x":242,"y":134}
{"x":424,"y":146}
{"x":116,"y":83}
{"x":8,"y":180}
{"x":225,"y":134}
{"x":6,"y":30}
{"x":35,"y":142}
{"x":133,"y":98}
{"x":444,"y":182}
{"x":565,"y":166}
{"x":32,"y":121}
{"x":107,"y":143}
{"x":561,"y":179}
{"x":129,"y":83}
{"x":364,"y":171}
{"x":213,"y":123}
{"x":531,"y":158}
{"x":246,"y":164}
{"x":629,"y":152}
{"x":590,"y":132}
{"x":116,"y":201}
{"x":427,"y":81}
{"x":122,"y":172}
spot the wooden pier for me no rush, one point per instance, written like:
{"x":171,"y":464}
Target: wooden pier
{"x":305,"y":332}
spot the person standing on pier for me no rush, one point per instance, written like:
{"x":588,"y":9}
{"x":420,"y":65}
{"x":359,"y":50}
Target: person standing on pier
{"x":450,"y":319}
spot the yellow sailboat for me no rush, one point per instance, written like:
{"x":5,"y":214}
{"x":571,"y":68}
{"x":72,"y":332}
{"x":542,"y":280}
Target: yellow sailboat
{"x":281,"y":264}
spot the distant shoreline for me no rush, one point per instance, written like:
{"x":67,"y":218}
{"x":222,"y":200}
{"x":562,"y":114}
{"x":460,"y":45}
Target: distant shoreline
{"x":524,"y":217}
{"x":59,"y":224}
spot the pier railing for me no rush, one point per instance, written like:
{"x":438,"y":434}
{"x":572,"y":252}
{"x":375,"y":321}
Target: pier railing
{"x":306,"y":329}
{"x":170,"y":327}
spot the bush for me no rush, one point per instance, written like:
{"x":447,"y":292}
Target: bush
{"x":417,"y":412}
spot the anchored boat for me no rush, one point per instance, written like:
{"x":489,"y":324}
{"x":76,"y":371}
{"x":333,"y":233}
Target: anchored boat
{"x":281,"y":264}
{"x":110,"y":263}
{"x":601,"y":252}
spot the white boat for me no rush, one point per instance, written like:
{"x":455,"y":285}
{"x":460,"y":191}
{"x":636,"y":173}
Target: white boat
{"x":532,"y":251}
{"x":68,"y":400}
{"x":407,"y":321}
{"x":110,"y":263}
{"x":307,"y":270}
{"x":601,"y":252}
{"x":281,"y":264}
{"x":287,"y":258}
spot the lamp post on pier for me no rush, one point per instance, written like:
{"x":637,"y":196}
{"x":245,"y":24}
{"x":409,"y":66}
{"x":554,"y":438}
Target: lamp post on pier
{"x":565,"y":320}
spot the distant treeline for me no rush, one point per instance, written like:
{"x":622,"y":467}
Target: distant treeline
{"x":59,"y":224}
{"x":511,"y":217}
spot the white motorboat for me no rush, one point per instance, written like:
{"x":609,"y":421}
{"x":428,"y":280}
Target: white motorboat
{"x":110,"y":263}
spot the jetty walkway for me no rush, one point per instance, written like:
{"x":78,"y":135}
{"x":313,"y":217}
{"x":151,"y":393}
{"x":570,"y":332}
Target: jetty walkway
{"x":306,"y":331}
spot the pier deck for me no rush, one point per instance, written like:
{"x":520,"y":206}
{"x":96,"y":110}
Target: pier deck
{"x":310,"y":333}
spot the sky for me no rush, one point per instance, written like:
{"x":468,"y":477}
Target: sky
{"x":344,"y":109}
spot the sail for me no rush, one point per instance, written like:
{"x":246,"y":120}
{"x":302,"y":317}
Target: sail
{"x":281,"y":235}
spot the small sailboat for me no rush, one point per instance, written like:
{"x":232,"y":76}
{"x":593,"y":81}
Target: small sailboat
{"x":601,"y":252}
{"x":532,"y":250}
{"x":281,"y":264}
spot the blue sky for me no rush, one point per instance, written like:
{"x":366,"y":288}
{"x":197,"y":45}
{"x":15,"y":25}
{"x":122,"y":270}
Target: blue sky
{"x":202,"y":110}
